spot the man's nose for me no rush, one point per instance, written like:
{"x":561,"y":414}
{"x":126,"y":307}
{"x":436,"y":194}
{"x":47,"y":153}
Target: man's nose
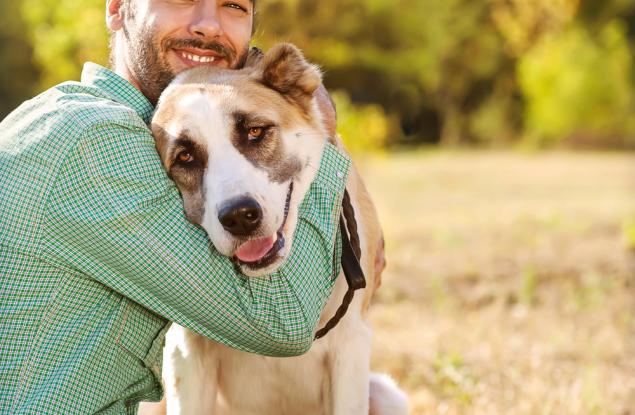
{"x":205,"y":22}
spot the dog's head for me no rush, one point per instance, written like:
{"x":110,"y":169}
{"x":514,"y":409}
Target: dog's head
{"x":243,"y":146}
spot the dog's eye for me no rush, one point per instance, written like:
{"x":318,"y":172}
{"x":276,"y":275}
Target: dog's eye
{"x":185,"y":157}
{"x":256,"y":134}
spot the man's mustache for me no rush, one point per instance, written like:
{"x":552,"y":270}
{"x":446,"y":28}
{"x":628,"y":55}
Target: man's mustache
{"x":224,"y":51}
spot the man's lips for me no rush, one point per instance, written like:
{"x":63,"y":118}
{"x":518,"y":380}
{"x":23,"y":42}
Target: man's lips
{"x":194,"y":57}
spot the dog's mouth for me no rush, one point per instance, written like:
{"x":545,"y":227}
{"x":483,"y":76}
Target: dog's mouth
{"x":262,"y":252}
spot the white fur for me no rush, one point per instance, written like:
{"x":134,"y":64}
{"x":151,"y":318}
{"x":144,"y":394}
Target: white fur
{"x":230,"y":175}
{"x":334,"y":377}
{"x":386,"y":397}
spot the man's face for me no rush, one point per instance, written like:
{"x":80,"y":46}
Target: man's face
{"x":165,"y":37}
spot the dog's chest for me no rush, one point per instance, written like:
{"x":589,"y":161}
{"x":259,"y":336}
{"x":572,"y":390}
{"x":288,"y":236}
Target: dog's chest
{"x":251,"y":384}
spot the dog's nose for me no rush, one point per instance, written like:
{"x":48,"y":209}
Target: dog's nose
{"x":240,"y":217}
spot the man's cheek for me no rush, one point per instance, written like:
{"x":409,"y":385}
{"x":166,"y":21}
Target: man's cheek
{"x":241,"y":57}
{"x":171,"y":62}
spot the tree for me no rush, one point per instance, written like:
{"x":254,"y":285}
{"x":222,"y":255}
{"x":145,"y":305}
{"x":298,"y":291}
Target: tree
{"x":523,"y":23}
{"x":578,"y":86}
{"x":17,"y":72}
{"x":64,"y":34}
{"x":415,"y":57}
{"x":449,"y":71}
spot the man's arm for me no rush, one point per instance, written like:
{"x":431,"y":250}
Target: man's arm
{"x":116,"y":217}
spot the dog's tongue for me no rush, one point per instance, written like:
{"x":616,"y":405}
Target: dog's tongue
{"x":254,"y":250}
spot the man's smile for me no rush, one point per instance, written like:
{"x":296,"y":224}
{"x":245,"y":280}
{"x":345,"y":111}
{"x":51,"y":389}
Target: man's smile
{"x":194,"y":57}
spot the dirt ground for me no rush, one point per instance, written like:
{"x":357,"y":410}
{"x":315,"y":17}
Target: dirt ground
{"x":509,"y":287}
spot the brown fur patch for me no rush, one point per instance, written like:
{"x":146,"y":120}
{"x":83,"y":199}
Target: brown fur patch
{"x":187,"y":176}
{"x":266,"y":153}
{"x":285,"y":70}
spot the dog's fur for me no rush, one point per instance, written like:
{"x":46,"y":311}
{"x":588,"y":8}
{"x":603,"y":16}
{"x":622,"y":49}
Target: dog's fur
{"x":207,"y":113}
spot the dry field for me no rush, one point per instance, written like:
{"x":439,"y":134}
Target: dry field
{"x":509,"y":287}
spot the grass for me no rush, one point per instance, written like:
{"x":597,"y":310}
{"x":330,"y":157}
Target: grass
{"x":509,"y":286}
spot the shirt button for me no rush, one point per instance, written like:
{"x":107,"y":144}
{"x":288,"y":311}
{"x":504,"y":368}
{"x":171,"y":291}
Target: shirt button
{"x":340,"y":175}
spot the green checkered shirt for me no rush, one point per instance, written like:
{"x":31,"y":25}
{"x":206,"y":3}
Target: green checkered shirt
{"x":96,"y":257}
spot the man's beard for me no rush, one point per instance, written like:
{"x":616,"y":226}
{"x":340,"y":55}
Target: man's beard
{"x":148,"y":63}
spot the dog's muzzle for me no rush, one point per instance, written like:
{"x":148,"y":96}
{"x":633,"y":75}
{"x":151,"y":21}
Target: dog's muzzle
{"x":250,"y":253}
{"x":241,"y":217}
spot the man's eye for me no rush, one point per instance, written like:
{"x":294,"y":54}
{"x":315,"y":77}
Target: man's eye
{"x":235,"y":6}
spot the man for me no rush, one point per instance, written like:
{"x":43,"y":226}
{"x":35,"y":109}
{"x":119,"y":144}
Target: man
{"x":96,"y":256}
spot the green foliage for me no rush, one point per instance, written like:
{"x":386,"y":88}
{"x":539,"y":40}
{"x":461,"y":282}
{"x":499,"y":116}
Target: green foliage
{"x":413,"y":58}
{"x":17,"y":73}
{"x":628,"y":230}
{"x":452,"y":379}
{"x":65,"y":34}
{"x":364,"y":128}
{"x":575,"y":83}
{"x":527,"y":294}
{"x":455,"y":72}
{"x":494,"y":123}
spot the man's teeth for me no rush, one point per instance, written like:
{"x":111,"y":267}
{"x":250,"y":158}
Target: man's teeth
{"x":197,"y":58}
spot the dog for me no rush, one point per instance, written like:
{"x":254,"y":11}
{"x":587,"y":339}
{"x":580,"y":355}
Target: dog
{"x":272,"y":97}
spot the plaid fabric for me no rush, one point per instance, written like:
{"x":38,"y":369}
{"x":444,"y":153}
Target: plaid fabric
{"x":96,"y":257}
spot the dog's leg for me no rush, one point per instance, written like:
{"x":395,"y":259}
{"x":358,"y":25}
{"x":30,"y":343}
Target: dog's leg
{"x":190,"y":369}
{"x":350,"y":367}
{"x":385,"y":396}
{"x":152,"y":408}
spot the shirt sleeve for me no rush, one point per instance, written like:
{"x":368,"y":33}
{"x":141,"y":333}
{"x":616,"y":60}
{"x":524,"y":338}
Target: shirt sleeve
{"x":115,"y":216}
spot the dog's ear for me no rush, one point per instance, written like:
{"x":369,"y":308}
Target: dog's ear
{"x":284,"y":69}
{"x":254,"y":56}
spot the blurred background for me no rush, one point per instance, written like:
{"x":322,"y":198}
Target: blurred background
{"x":497,"y":139}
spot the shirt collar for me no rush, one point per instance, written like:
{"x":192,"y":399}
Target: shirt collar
{"x":117,"y":88}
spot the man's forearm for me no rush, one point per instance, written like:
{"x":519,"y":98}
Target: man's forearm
{"x":130,"y":233}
